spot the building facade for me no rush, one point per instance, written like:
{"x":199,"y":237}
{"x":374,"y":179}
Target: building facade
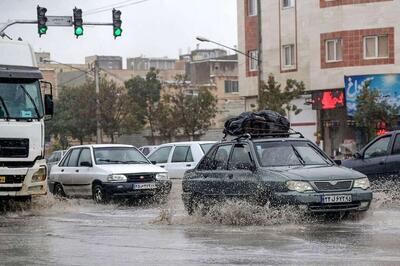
{"x":105,"y":62}
{"x":333,"y":46}
{"x":145,"y":63}
{"x":220,"y":75}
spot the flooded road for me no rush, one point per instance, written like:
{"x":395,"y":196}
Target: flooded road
{"x":78,"y":232}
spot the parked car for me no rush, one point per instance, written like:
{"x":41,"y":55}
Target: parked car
{"x":147,"y":149}
{"x":53,"y":159}
{"x":179,"y":157}
{"x":379,"y":159}
{"x":107,"y":171}
{"x":284,"y":170}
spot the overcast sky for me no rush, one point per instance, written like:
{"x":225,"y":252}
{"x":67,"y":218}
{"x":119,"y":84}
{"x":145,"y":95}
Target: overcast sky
{"x":154,"y":28}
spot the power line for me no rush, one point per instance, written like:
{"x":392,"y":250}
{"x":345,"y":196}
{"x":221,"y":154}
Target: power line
{"x":108,"y":8}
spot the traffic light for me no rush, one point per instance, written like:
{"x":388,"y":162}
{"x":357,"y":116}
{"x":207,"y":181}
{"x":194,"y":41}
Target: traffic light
{"x":78,"y":22}
{"x":117,"y":31}
{"x":41,"y":20}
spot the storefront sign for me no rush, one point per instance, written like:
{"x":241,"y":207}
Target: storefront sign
{"x":327,"y":99}
{"x":387,"y":84}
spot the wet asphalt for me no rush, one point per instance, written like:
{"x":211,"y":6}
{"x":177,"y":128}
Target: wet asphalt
{"x":79,"y":232}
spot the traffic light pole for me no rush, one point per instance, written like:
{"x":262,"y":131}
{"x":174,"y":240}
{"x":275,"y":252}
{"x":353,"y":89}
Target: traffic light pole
{"x":13,"y":22}
{"x":97,"y":81}
{"x":23,"y":21}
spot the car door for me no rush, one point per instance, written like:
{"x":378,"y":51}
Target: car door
{"x":160,"y":156}
{"x":392,"y":167}
{"x":211,"y":172}
{"x":241,"y":180}
{"x":373,"y":159}
{"x":181,"y":161}
{"x":84,"y":174}
{"x":71,"y":171}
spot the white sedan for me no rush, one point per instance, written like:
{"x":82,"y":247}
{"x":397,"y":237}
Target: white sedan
{"x":107,"y":171}
{"x":179,"y":157}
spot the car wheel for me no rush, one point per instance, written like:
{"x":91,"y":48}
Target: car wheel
{"x":192,"y":205}
{"x":59,"y":191}
{"x":99,"y":194}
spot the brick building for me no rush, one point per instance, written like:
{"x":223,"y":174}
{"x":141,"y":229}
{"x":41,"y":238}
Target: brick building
{"x":333,"y":46}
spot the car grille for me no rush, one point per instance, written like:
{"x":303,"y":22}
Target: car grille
{"x":14,"y":148}
{"x":319,"y":207}
{"x":141,"y":178}
{"x":333,"y":185}
{"x":12,"y":180}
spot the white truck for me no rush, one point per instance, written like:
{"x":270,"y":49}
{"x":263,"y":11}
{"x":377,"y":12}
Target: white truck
{"x":23,"y":109}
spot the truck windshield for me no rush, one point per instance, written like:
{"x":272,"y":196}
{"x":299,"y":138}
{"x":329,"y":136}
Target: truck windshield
{"x":289,"y":153}
{"x":20,"y":100}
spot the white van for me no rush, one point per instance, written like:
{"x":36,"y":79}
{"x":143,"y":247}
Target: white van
{"x":179,"y":157}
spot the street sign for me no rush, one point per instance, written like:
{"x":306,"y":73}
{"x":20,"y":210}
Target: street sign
{"x":61,"y":21}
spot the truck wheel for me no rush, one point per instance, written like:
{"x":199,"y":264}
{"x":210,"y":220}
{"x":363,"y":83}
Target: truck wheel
{"x":99,"y":194}
{"x":59,"y":191}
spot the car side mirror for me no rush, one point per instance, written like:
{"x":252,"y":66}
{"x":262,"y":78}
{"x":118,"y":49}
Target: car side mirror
{"x":48,"y":104}
{"x":357,"y":155}
{"x":153,"y":162}
{"x":86,"y":164}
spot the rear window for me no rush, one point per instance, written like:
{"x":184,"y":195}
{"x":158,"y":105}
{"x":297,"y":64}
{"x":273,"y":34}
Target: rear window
{"x":206,"y":147}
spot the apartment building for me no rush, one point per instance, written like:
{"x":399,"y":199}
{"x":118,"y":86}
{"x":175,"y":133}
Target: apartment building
{"x":146,"y":63}
{"x":333,"y":46}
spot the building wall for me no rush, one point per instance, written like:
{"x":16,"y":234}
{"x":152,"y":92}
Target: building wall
{"x":105,"y":62}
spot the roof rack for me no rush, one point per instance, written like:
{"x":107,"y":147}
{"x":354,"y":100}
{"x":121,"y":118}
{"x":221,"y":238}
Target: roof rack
{"x":259,"y":134}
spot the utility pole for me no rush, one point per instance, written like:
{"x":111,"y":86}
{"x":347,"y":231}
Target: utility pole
{"x":97,"y":81}
{"x":260,"y":42}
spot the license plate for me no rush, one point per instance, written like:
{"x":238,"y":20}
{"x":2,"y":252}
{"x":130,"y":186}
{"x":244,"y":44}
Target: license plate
{"x":2,"y":179}
{"x":336,"y":199}
{"x":144,"y":186}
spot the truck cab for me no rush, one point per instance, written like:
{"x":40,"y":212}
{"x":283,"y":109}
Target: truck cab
{"x":23,"y":109}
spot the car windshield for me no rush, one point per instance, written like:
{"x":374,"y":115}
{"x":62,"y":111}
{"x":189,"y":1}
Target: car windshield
{"x":289,"y":153}
{"x":20,"y":100}
{"x":119,"y":155}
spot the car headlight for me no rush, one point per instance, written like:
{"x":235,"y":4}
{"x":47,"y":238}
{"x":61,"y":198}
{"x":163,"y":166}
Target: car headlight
{"x":162,"y":176}
{"x":117,"y":178}
{"x":40,"y":175}
{"x":299,"y":186}
{"x":362,"y":183}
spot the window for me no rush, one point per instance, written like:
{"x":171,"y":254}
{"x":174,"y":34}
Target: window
{"x":206,"y":147}
{"x":119,"y":155}
{"x":73,"y":159}
{"x":231,"y":86}
{"x":182,"y":154}
{"x":241,"y":157}
{"x":217,"y":159}
{"x":287,"y":3}
{"x":334,"y":50}
{"x":289,"y":153}
{"x":253,"y":60}
{"x":396,"y":145}
{"x":288,"y":55}
{"x":161,"y":155}
{"x":378,"y":148}
{"x":376,"y":47}
{"x":85,"y":157}
{"x":252,"y":7}
{"x":66,"y":159}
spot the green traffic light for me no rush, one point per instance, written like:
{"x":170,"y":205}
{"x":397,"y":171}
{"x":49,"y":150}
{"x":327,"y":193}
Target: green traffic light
{"x":117,"y":32}
{"x":43,"y":29}
{"x":79,"y":31}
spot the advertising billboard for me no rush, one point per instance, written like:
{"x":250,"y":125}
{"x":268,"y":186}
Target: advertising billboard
{"x":388,"y":86}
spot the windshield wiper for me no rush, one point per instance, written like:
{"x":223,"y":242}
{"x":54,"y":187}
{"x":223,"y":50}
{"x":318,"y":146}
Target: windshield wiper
{"x":298,"y":155}
{"x":135,"y":162}
{"x":33,"y":101}
{"x":5,"y":108}
{"x":110,"y":161}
